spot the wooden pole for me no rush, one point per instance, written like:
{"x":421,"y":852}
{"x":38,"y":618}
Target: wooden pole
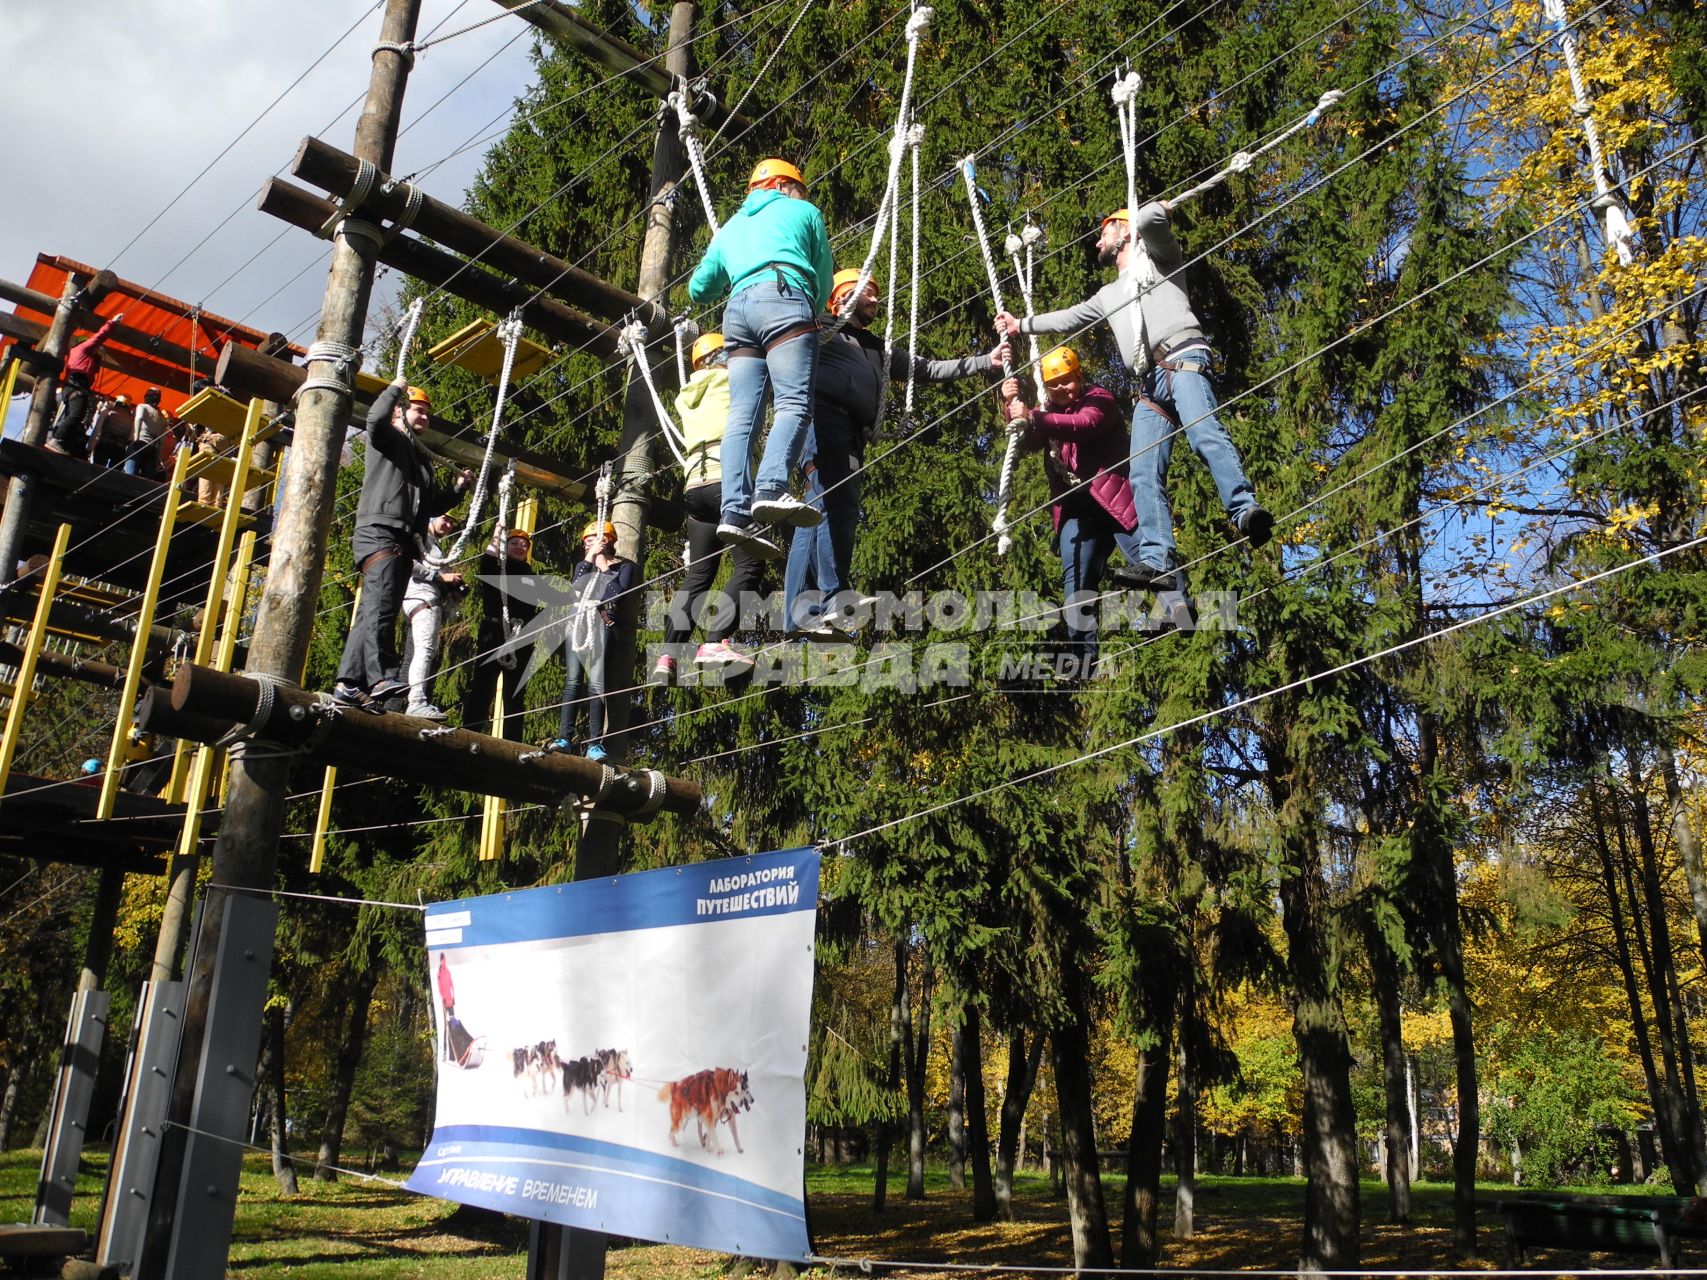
{"x":497,"y":294}
{"x":246,"y":852}
{"x":325,"y":166}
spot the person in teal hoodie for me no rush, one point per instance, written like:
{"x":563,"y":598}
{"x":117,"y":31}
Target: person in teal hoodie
{"x":772,"y":260}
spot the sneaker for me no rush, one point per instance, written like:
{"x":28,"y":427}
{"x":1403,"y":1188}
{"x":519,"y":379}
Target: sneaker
{"x":755,"y":544}
{"x":720,"y":653}
{"x":596,"y":752}
{"x":1143,"y":576}
{"x":664,"y":670}
{"x":822,"y":629}
{"x":785,"y":508}
{"x":559,"y":747}
{"x":426,"y":711}
{"x":348,"y":695}
{"x":1180,"y":613}
{"x":1257,"y":525}
{"x":386,"y":690}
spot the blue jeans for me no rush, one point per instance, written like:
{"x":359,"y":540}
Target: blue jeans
{"x":756,"y":317}
{"x":1187,"y":393}
{"x":820,"y":559}
{"x":1088,"y":536}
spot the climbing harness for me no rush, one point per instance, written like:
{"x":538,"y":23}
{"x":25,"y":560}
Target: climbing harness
{"x":687,"y":125}
{"x":1010,"y":458}
{"x":1015,"y":245}
{"x":1614,"y":220}
{"x":899,"y":141}
{"x":510,"y":333}
{"x":632,"y":340}
{"x":1242,"y":160}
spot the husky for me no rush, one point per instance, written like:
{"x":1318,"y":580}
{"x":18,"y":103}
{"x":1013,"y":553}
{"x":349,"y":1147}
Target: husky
{"x":717,"y":1094}
{"x":536,"y":1065}
{"x":615,"y":1066}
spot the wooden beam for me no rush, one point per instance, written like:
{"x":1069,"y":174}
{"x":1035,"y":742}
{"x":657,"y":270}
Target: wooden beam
{"x":147,"y":343}
{"x":126,"y":362}
{"x":325,"y":166}
{"x":415,"y":750}
{"x":249,"y":373}
{"x":561,"y":22}
{"x":558,"y":321}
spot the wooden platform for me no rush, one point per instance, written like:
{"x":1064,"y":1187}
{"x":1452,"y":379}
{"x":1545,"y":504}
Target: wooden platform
{"x":53,"y":820}
{"x":21,"y":1240}
{"x":114,"y":519}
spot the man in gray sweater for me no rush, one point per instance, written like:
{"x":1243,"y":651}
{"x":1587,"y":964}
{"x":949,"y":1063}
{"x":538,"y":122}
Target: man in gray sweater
{"x":1164,"y":346}
{"x":399,"y":495}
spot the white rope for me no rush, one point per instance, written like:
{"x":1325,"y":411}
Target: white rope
{"x":1242,"y":160}
{"x":1614,"y":221}
{"x":917,"y":25}
{"x":913,"y":290}
{"x":687,"y":125}
{"x":685,"y":329}
{"x":510,"y":333}
{"x":411,"y":322}
{"x":1015,"y":245}
{"x":633,"y":341}
{"x":501,"y":531}
{"x":914,"y":136}
{"x":1010,"y":458}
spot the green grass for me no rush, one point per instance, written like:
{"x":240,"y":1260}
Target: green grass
{"x":361,"y":1229}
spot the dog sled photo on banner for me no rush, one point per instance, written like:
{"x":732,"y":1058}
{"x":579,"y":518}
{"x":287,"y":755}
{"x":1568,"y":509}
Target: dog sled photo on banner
{"x":629,"y":1054}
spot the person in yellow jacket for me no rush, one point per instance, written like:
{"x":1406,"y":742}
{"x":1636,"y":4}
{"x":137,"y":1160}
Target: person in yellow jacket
{"x":703,"y":410}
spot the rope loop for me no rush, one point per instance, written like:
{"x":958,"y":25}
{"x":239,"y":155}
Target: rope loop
{"x":632,"y":340}
{"x":510,"y":334}
{"x":1126,"y":88}
{"x":263,"y":711}
{"x":406,"y":48}
{"x":359,"y":191}
{"x":920,"y":22}
{"x":344,"y":359}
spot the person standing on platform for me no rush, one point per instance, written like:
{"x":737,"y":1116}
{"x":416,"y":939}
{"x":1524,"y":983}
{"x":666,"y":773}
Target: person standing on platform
{"x":151,"y":429}
{"x":70,"y":430}
{"x":112,"y":430}
{"x":598,"y":581}
{"x":399,"y":495}
{"x":505,"y":616}
{"x":430,"y":587}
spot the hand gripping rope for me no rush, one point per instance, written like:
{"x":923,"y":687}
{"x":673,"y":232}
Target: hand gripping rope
{"x":1615,"y":222}
{"x":1029,"y":237}
{"x":687,"y":125}
{"x":917,"y":25}
{"x":1242,"y":160}
{"x":686,"y":332}
{"x":510,"y":332}
{"x":633,"y":341}
{"x":1010,"y":459}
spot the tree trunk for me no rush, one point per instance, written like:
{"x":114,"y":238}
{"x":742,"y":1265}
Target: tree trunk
{"x":977,"y":1118}
{"x":9,"y":1102}
{"x":1022,"y":1078}
{"x":1331,"y":1195}
{"x":354,"y":1041}
{"x":1185,"y":1149}
{"x":1394,"y":1076}
{"x":899,"y":1016}
{"x":1140,"y":1243}
{"x":918,"y":1054}
{"x":1688,"y":843}
{"x":957,"y":1108}
{"x":1070,"y":1052}
{"x":283,"y":1169}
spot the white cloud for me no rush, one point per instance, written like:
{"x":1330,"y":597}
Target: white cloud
{"x":114,"y":105}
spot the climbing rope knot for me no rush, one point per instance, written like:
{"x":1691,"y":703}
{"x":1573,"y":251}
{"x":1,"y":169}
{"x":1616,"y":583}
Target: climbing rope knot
{"x":1013,"y":244}
{"x":655,"y":792}
{"x":1126,"y":88}
{"x":915,"y":134}
{"x":1240,"y":161}
{"x":264,"y":704}
{"x":920,"y":22}
{"x":406,"y":48}
{"x":1032,"y":233}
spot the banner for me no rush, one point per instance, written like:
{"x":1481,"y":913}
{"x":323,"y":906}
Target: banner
{"x":629,"y":1055}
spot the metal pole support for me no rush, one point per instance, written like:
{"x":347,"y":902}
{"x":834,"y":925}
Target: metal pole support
{"x":77,"y":1066}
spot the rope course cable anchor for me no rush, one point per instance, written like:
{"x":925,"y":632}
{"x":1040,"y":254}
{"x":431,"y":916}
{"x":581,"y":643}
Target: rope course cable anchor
{"x":680,"y":100}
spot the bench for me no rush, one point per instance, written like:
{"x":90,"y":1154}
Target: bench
{"x":1648,"y":1225}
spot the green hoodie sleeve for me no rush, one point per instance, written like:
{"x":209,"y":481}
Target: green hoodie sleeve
{"x":710,"y":280}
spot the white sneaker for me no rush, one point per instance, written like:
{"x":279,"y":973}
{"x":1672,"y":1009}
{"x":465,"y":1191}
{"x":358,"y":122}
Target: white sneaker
{"x":426,"y":711}
{"x":720,"y":653}
{"x":785,"y":508}
{"x":744,"y":536}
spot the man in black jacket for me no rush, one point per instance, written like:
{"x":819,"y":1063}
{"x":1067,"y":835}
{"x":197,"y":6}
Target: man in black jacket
{"x":847,"y":409}
{"x":399,"y":495}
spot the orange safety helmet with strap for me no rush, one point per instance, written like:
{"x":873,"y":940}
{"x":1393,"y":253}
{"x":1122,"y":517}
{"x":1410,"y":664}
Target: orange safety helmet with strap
{"x":607,"y":530}
{"x":773,"y":173}
{"x":842,"y":283}
{"x":416,"y":395}
{"x":705,"y":345}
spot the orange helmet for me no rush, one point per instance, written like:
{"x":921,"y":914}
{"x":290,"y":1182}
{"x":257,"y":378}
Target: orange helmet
{"x":415,"y":395}
{"x":1119,"y":215}
{"x":704,"y":345}
{"x":1063,"y":362}
{"x":771,"y":172}
{"x":842,"y":283}
{"x":594,"y":529}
